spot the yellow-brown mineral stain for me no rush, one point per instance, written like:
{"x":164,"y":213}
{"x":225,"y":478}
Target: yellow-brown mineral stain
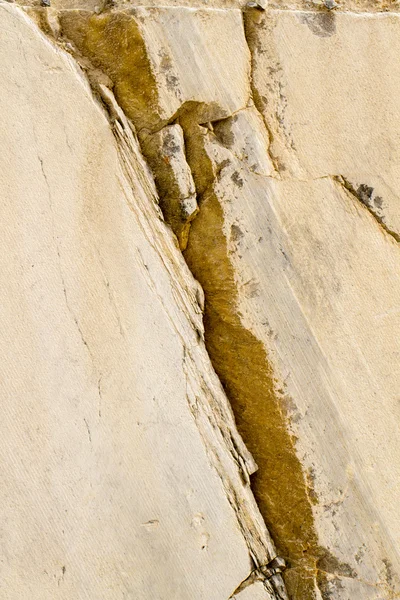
{"x":240,"y":361}
{"x":113,"y":43}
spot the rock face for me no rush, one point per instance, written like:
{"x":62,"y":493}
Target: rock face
{"x":267,"y":142}
{"x":123,"y":475}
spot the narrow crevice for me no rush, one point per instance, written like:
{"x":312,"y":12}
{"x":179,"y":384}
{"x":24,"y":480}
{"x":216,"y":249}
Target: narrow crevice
{"x":242,"y":365}
{"x":364,"y":194}
{"x":238,"y":357}
{"x":251,"y":17}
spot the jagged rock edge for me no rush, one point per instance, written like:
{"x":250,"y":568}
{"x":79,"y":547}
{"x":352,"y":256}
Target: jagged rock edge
{"x":215,"y":417}
{"x":350,"y":190}
{"x":213,"y":414}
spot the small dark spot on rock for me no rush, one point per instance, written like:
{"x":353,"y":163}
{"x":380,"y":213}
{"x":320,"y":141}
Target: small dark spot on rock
{"x":281,"y":166}
{"x":169,"y":145}
{"x":310,"y":477}
{"x":378,"y":201}
{"x":284,"y":255}
{"x":361,"y":551}
{"x":329,"y":589}
{"x":364,"y":194}
{"x":165,"y":63}
{"x":172,"y":81}
{"x":237,"y":179}
{"x":322,"y":24}
{"x":330,"y":564}
{"x":330,"y":4}
{"x":236,"y":233}
{"x":224,"y":135}
{"x":389,"y":574}
{"x":222,"y":165}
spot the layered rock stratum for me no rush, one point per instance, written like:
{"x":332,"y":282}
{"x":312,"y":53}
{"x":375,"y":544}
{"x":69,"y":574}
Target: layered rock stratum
{"x":200,"y":292}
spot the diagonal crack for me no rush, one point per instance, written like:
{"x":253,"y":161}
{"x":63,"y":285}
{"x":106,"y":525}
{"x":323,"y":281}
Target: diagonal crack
{"x":363,"y":194}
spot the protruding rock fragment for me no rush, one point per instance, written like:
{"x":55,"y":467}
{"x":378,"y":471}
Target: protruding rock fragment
{"x":330,"y":4}
{"x":275,"y":566}
{"x":260,"y":4}
{"x":165,"y":151}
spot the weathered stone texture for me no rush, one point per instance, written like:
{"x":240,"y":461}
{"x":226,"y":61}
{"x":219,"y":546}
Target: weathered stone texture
{"x":272,"y":137}
{"x":122,"y":471}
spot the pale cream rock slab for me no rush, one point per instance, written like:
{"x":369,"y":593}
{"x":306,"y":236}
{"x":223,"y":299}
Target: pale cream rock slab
{"x":168,"y":146}
{"x":192,"y":51}
{"x":246,"y":133}
{"x":109,"y":480}
{"x":328,"y":86}
{"x":165,"y":153}
{"x":323,"y":299}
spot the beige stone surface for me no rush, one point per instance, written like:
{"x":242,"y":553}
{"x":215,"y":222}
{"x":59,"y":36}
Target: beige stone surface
{"x":327,"y":85}
{"x":122,"y":473}
{"x":308,"y":261}
{"x":287,"y":125}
